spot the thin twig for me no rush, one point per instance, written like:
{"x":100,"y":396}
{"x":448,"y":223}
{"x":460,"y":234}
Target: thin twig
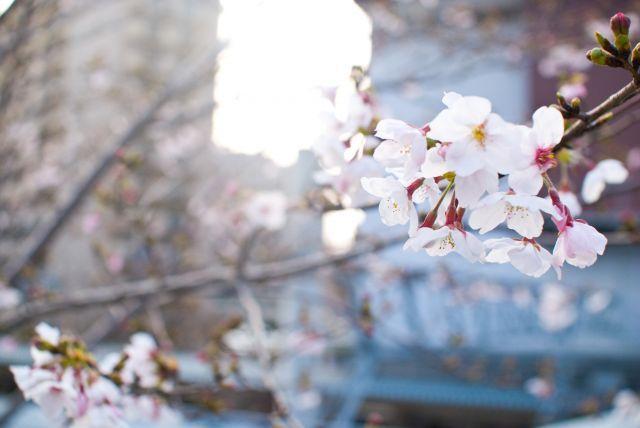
{"x":181,"y":284}
{"x":582,"y":126}
{"x":255,"y":320}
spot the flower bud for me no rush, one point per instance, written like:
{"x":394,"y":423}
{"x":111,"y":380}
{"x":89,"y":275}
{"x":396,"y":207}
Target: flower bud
{"x":606,"y":44}
{"x":564,"y":156}
{"x":601,"y":57}
{"x":620,"y":24}
{"x":635,"y":57}
{"x":575,"y":104}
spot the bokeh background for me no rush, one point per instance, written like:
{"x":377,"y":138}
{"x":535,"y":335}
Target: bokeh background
{"x":133,"y":133}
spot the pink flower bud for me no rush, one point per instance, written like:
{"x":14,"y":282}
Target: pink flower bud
{"x":620,"y":24}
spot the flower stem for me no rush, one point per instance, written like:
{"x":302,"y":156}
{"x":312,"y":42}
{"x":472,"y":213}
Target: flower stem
{"x":430,"y":219}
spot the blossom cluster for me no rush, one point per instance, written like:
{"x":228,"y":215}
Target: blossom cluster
{"x":72,"y":389}
{"x":476,"y":171}
{"x":344,"y":150}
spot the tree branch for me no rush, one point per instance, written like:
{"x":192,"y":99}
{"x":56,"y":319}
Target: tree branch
{"x":583,"y":125}
{"x":179,"y":284}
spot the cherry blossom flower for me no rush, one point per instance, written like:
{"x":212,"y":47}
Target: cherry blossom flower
{"x":396,"y":205}
{"x":403,"y":150}
{"x":346,"y":181}
{"x":353,"y":107}
{"x":579,"y":244}
{"x":478,"y":138}
{"x":101,"y":406}
{"x":140,"y":365}
{"x":54,"y":391}
{"x":521,"y":212}
{"x":525,"y":255}
{"x":537,"y":154}
{"x":446,"y":239}
{"x":608,"y":171}
{"x":268,"y":210}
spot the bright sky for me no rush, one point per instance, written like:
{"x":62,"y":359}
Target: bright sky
{"x":4,"y":5}
{"x":279,"y":53}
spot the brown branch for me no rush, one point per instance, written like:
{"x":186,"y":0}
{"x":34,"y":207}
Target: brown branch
{"x":180,"y":284}
{"x":584,"y":125}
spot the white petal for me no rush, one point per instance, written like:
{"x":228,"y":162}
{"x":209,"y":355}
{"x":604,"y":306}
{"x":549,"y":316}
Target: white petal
{"x":48,"y":333}
{"x":444,"y":128}
{"x":389,"y":153}
{"x":464,"y":157}
{"x":592,"y":186}
{"x":471,"y":111}
{"x":380,"y":187}
{"x":528,"y":261}
{"x":613,"y":171}
{"x":527,"y":181}
{"x":470,"y":189}
{"x":394,"y":209}
{"x":451,"y":98}
{"x":423,"y":237}
{"x":524,"y":221}
{"x":393,"y":129}
{"x":468,"y":246}
{"x":499,"y":249}
{"x":488,"y":217}
{"x":548,"y":126}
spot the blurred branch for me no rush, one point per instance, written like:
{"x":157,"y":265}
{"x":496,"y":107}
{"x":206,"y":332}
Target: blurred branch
{"x":47,"y":233}
{"x":255,"y":320}
{"x":184,"y":283}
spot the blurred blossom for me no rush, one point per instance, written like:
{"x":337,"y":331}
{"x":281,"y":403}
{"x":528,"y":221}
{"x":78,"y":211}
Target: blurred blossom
{"x":522,"y":297}
{"x":597,"y":301}
{"x":267,"y":209}
{"x":459,"y":16}
{"x":608,"y":171}
{"x":347,"y":181}
{"x":115,"y":263}
{"x":91,"y":222}
{"x":572,"y":90}
{"x":307,"y":343}
{"x":563,"y":59}
{"x":8,"y":344}
{"x":46,"y":177}
{"x":100,"y":80}
{"x":9,"y":297}
{"x":633,"y":159}
{"x":486,"y":291}
{"x":556,"y":307}
{"x":626,"y":409}
{"x":308,"y":399}
{"x":171,"y":150}
{"x":539,"y":387}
